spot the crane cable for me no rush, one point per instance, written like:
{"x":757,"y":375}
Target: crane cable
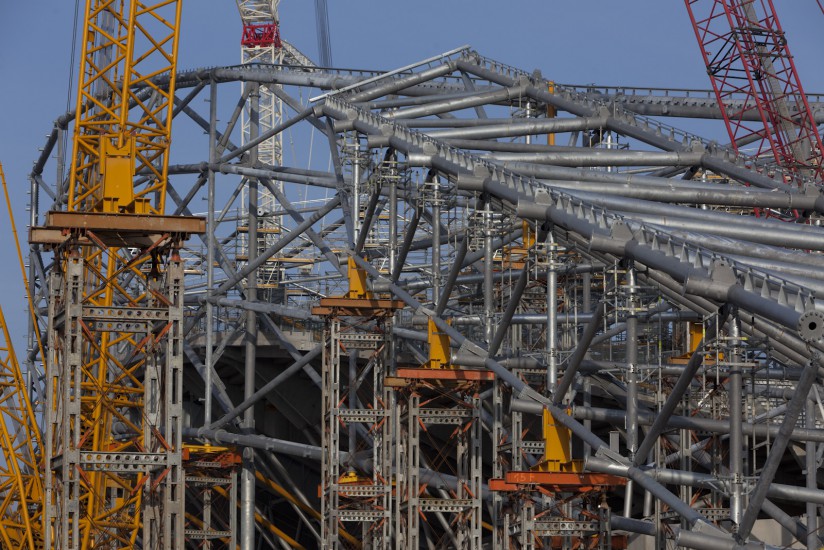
{"x":23,"y":268}
{"x":322,"y":26}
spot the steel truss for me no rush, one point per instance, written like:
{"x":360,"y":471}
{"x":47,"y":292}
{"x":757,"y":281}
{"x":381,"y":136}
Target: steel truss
{"x":651,"y":316}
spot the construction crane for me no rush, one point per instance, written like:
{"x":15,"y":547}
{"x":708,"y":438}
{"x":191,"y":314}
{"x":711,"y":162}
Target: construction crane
{"x":21,"y":472}
{"x":749,"y":61}
{"x":21,"y":483}
{"x":113,"y":422}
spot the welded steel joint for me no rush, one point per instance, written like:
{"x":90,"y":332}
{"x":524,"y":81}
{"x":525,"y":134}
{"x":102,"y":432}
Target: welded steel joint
{"x":811,"y":326}
{"x":716,"y":285}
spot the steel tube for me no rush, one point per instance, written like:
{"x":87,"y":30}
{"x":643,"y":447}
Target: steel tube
{"x":782,"y":439}
{"x":736,"y":454}
{"x":595,"y":464}
{"x":514,"y":128}
{"x":618,"y":417}
{"x":210,"y":256}
{"x":574,"y":361}
{"x":247,"y":476}
{"x":682,"y":384}
{"x":813,"y":539}
{"x":481,"y":98}
{"x":278,"y":246}
{"x":551,"y":316}
{"x":267,"y":388}
{"x":511,"y":306}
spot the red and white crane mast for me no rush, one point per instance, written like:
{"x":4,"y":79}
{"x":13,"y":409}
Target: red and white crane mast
{"x":756,"y":82}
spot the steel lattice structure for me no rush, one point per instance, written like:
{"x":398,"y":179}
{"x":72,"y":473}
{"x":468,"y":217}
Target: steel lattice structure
{"x":748,"y":60}
{"x":488,"y":337}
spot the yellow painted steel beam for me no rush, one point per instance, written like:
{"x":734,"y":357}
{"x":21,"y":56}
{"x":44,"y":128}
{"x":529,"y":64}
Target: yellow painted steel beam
{"x":21,"y":483}
{"x":269,"y":484}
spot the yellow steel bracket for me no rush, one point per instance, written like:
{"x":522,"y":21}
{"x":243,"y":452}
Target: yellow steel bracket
{"x":357,"y":281}
{"x":440,"y":355}
{"x":551,"y":112}
{"x":117,"y":167}
{"x":558,"y":447}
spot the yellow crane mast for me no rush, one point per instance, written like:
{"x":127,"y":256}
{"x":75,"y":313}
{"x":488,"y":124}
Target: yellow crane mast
{"x":113,"y":422}
{"x":21,"y":483}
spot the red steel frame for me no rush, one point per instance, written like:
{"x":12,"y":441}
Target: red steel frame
{"x":261,"y":35}
{"x":748,"y":59}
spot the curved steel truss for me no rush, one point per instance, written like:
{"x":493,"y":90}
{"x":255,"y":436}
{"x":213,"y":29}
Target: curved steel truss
{"x":502,"y":311}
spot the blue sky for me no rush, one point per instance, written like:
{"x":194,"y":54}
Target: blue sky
{"x":610,"y":42}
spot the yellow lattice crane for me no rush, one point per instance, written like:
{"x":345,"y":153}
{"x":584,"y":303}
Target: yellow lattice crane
{"x":113,"y":422}
{"x":21,"y":476}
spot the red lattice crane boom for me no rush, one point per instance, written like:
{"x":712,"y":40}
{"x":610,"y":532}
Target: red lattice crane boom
{"x":756,"y":82}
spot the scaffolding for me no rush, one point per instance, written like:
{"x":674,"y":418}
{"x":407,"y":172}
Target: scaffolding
{"x":483,"y":338}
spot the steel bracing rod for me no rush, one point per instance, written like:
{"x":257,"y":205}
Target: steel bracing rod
{"x":271,"y":482}
{"x":646,"y":418}
{"x":403,"y":252}
{"x":203,"y":123}
{"x":813,"y":539}
{"x":316,"y":239}
{"x":570,"y":317}
{"x":691,"y":193}
{"x":779,"y":445}
{"x":506,"y":94}
{"x":514,"y":301}
{"x":571,"y":365}
{"x":410,"y":101}
{"x":681,"y":385}
{"x":595,"y":464}
{"x":509,"y":128}
{"x":596,"y":157}
{"x":218,"y":389}
{"x":452,"y":277}
{"x":706,"y":541}
{"x":451,"y":123}
{"x":735,"y":359}
{"x":396,"y":85}
{"x":247,"y":474}
{"x":344,"y":196}
{"x":793,"y":526}
{"x":267,"y":388}
{"x":290,"y":175}
{"x":268,"y":134}
{"x":259,"y":307}
{"x":625,"y":123}
{"x":278,"y":246}
{"x":470,"y":86}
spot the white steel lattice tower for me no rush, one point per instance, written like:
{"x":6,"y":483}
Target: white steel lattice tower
{"x":261,"y":44}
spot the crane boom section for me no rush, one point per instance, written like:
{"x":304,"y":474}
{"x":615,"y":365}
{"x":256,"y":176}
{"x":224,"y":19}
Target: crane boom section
{"x":747,"y":58}
{"x":113,"y":419}
{"x":21,"y":483}
{"x":124,"y":112}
